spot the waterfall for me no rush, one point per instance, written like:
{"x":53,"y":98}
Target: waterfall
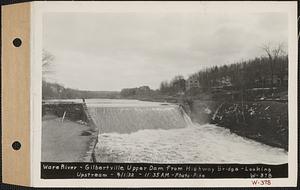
{"x":132,"y":119}
{"x":136,"y":131}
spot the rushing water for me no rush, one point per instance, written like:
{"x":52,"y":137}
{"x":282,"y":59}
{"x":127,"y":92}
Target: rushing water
{"x":137,"y":131}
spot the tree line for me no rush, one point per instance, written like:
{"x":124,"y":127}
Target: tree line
{"x":262,"y":72}
{"x":269,"y":71}
{"x":58,"y":91}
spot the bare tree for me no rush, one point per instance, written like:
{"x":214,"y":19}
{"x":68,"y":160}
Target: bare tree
{"x":273,"y":53}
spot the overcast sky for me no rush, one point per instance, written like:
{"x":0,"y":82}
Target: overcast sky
{"x":111,"y":51}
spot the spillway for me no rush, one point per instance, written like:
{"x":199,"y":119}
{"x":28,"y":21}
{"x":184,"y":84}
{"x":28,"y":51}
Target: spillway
{"x":152,"y":132}
{"x":131,"y":119}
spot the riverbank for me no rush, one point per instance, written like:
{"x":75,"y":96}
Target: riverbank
{"x":263,"y":121}
{"x":65,"y":141}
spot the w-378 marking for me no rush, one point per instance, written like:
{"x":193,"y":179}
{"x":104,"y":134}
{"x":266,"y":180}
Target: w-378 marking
{"x":261,"y":182}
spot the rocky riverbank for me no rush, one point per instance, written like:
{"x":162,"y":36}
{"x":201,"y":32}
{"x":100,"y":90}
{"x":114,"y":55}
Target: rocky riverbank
{"x":263,"y":121}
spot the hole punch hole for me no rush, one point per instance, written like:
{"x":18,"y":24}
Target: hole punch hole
{"x":16,"y":145}
{"x":17,"y":42}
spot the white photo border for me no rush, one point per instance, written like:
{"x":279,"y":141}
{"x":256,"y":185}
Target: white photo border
{"x":40,"y":8}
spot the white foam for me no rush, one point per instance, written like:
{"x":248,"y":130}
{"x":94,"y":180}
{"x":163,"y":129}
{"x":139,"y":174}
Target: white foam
{"x":194,"y":144}
{"x":159,"y":133}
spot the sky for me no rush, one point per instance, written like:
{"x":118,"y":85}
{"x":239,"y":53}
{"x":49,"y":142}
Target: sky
{"x":112,"y":51}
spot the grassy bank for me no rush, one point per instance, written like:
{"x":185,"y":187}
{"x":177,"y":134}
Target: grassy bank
{"x":66,"y":141}
{"x":68,"y":133}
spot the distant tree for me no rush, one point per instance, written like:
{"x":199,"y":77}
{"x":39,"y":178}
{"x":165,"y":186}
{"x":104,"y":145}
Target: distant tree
{"x":143,"y":90}
{"x":177,"y":84}
{"x":273,"y":53}
{"x":127,"y":92}
{"x":164,"y":87}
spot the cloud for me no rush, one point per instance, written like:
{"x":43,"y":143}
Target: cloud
{"x":111,"y":51}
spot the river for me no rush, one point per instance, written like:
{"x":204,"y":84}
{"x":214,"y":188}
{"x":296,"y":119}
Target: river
{"x":153,"y":132}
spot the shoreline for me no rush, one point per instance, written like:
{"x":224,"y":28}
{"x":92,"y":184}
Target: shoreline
{"x":262,"y":121}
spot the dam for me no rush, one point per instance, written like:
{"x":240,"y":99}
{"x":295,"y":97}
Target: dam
{"x":155,"y":132}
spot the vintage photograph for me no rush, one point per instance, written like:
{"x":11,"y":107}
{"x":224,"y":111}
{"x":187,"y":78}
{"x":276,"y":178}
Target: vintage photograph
{"x":165,"y":87}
